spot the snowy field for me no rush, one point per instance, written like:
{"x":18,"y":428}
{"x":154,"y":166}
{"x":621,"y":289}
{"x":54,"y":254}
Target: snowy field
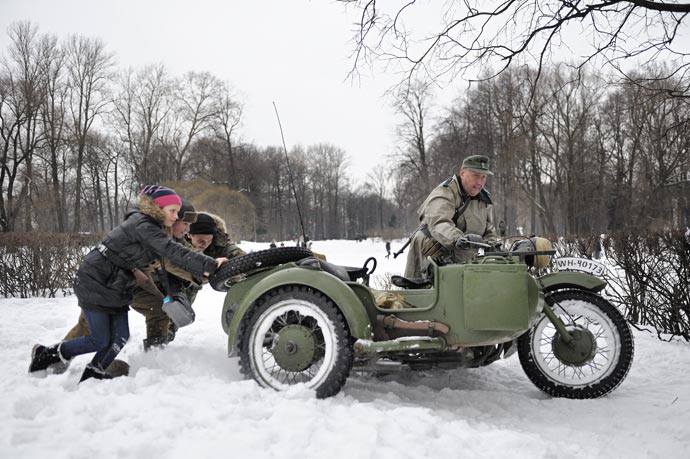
{"x":190,"y":401}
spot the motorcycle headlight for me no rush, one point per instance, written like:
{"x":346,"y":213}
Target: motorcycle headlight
{"x":534,"y":244}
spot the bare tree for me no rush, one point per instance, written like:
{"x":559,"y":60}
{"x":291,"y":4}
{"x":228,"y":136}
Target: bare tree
{"x":565,"y":129}
{"x":228,"y":118}
{"x":277,"y":189}
{"x":531,"y":175}
{"x":53,"y":124}
{"x":144,"y":99}
{"x":195,"y":110}
{"x":12,"y":158}
{"x":338,"y":183}
{"x":664,"y":158}
{"x":22,"y":97}
{"x":479,"y":34}
{"x":89,"y":68}
{"x":379,"y":185}
{"x":413,"y":104}
{"x":101,"y":163}
{"x":327,"y":175}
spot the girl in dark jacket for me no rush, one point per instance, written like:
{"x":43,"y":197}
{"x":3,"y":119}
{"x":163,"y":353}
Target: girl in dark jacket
{"x":105,"y":281}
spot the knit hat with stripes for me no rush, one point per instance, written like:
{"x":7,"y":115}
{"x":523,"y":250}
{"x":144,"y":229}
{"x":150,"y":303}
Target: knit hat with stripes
{"x":161,"y":195}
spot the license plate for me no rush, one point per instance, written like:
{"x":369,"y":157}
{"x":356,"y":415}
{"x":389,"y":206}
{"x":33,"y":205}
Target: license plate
{"x":584,"y":265}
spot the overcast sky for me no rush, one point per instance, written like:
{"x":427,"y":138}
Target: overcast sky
{"x":293,"y":52}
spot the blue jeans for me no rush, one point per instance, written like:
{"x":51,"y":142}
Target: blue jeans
{"x":109,"y":333}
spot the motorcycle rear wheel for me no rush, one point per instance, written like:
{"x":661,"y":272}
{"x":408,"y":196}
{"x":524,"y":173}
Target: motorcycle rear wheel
{"x":599,"y":358}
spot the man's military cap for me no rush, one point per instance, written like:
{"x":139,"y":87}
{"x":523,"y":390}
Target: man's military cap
{"x":477,"y":163}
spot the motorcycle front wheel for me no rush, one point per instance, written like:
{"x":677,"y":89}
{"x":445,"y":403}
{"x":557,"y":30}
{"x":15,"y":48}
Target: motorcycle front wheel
{"x":593,"y":363}
{"x":296,"y":336}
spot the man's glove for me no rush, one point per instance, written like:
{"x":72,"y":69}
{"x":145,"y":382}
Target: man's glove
{"x":496,"y":245}
{"x":464,"y":242}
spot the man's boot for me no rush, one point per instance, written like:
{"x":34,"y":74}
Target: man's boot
{"x":92,"y":371}
{"x":117,"y":368}
{"x":172,"y":330}
{"x":42,"y":357}
{"x":154,"y":342}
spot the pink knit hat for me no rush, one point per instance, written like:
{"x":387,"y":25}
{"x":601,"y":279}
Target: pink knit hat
{"x":161,"y":195}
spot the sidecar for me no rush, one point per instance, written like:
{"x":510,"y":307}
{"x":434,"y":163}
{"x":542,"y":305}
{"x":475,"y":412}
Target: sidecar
{"x":293,"y":318}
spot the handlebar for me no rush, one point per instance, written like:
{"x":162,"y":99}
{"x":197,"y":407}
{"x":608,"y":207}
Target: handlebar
{"x":525,"y":253}
{"x":476,"y":244}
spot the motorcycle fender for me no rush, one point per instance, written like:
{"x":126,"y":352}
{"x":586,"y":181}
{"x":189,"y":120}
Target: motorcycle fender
{"x":571,"y":279}
{"x":338,"y":291}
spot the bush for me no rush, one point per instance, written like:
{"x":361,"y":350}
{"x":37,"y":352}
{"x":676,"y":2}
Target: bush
{"x":647,"y":276}
{"x":650,"y":279}
{"x":40,"y":264}
{"x":234,"y":207}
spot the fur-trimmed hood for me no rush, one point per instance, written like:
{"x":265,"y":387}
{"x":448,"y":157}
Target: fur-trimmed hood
{"x":221,"y":237}
{"x":222,"y":245}
{"x":220,"y":223}
{"x":147,"y":207}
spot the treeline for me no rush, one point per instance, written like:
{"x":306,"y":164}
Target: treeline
{"x":79,"y":137}
{"x":572,"y":155}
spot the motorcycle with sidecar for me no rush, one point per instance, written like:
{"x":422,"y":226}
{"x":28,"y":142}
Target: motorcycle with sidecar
{"x":294,"y":318}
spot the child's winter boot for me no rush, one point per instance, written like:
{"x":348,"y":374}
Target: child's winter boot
{"x":92,"y":371}
{"x":42,"y":357}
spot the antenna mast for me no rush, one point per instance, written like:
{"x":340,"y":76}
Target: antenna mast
{"x":292,"y":180}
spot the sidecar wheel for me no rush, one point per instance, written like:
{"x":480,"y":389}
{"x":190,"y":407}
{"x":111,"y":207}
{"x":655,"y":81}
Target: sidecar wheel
{"x":296,"y":335}
{"x":253,"y":261}
{"x":600,"y":358}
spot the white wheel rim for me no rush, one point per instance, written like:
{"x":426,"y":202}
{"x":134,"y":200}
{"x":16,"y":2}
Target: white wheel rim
{"x":262,"y":360}
{"x":585,"y":315}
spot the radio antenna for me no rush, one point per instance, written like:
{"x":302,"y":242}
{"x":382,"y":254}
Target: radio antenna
{"x":292,"y":180}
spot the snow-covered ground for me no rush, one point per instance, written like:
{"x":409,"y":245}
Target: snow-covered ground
{"x":190,"y":400}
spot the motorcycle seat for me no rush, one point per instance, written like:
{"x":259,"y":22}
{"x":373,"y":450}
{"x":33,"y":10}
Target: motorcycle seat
{"x":344,"y":273}
{"x":404,"y":282}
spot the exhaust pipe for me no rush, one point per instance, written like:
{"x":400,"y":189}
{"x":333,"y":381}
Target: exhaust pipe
{"x":365,"y":346}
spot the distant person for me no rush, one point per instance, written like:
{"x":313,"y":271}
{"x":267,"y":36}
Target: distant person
{"x":105,"y":281}
{"x":388,"y":249}
{"x":455,"y":212}
{"x":596,"y":253}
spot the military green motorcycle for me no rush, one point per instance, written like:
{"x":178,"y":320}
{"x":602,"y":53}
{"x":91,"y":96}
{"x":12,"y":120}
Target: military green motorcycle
{"x":293,"y":318}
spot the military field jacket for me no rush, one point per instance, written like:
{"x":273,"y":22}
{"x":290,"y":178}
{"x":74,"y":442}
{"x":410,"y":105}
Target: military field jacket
{"x":442,"y":204}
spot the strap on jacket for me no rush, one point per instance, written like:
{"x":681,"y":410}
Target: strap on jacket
{"x":114,"y":258}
